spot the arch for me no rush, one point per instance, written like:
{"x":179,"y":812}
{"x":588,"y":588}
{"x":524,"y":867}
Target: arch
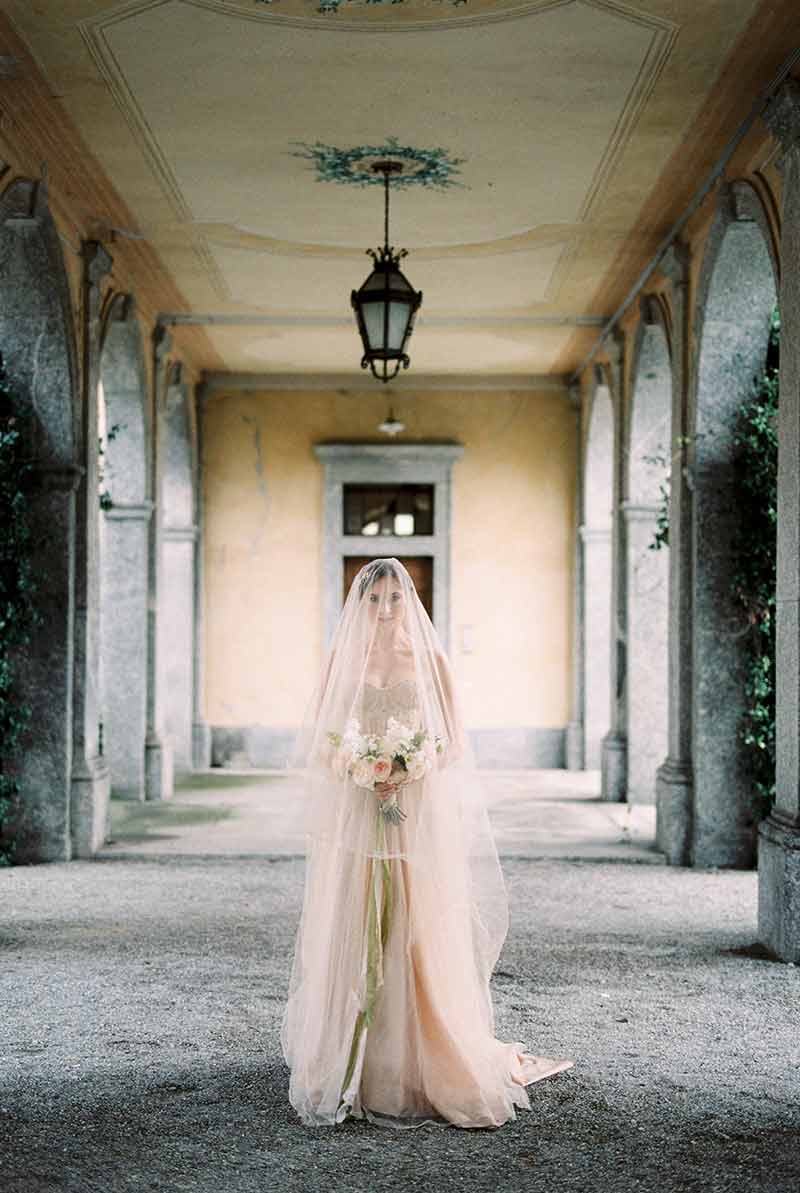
{"x":598,"y":493}
{"x":124,"y":527}
{"x":736,"y":296}
{"x":648,"y":455}
{"x":39,"y":353}
{"x":176,"y":600}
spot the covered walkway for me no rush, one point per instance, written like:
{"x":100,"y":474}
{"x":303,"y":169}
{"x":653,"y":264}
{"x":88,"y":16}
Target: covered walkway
{"x":143,"y":991}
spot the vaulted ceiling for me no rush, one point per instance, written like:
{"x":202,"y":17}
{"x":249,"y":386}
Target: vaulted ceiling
{"x":557,"y":120}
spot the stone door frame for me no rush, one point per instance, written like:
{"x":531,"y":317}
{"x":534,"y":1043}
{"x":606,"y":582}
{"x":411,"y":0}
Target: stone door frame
{"x":387,"y":464}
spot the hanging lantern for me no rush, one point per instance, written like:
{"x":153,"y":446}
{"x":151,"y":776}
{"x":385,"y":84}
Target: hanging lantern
{"x":386,"y":304}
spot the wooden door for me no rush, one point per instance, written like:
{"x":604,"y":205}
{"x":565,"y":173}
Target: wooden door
{"x":419,"y":568}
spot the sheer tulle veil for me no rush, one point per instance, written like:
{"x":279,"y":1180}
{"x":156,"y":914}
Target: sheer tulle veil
{"x":423,"y":860}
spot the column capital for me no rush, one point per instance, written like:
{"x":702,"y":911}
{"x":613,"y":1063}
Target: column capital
{"x":55,"y":478}
{"x":595,"y":534}
{"x":782,"y":115}
{"x":636,"y":511}
{"x":675,"y":264}
{"x":162,"y":343}
{"x":97,"y":262}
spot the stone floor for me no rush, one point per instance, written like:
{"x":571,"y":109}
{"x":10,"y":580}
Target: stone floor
{"x":142,"y":994}
{"x":534,"y":814}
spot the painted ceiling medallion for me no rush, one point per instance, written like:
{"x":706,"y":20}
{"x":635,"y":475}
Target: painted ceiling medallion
{"x":433,"y":168}
{"x":334,"y":5}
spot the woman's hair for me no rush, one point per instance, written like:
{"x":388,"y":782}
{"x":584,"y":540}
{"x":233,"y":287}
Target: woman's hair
{"x":375,"y":571}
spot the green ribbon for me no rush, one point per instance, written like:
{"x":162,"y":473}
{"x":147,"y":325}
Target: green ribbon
{"x":378,"y":925}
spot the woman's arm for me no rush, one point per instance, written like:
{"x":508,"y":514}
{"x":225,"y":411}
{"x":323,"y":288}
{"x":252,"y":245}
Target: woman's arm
{"x":455,"y":741}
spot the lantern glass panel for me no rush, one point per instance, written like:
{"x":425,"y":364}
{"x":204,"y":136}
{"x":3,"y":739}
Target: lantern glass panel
{"x":373,"y":322}
{"x":399,"y":313}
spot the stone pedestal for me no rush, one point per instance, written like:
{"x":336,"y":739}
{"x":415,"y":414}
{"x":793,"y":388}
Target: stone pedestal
{"x":674,"y":800}
{"x":576,"y":755}
{"x":158,"y":769}
{"x":201,"y":745}
{"x":614,"y":768}
{"x":90,"y":806}
{"x":779,"y":887}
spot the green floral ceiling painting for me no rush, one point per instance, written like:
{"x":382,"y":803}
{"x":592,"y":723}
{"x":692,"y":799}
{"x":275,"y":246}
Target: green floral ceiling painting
{"x":433,"y":168}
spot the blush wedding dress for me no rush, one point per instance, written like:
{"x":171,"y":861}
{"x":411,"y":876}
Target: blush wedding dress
{"x":389,"y":1015}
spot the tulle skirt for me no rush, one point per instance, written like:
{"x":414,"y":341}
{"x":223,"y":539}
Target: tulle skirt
{"x":389,"y":1015}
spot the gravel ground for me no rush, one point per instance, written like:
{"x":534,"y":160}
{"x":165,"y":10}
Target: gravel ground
{"x":142,"y":1001}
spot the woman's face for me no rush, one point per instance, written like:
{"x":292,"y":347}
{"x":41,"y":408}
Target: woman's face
{"x":386,"y":601}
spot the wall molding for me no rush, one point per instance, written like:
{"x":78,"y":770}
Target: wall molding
{"x":264,"y":747}
{"x":218,"y":382}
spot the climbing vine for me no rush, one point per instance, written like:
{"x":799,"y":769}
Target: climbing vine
{"x":104,"y":497}
{"x":18,"y":613}
{"x":753,"y":585}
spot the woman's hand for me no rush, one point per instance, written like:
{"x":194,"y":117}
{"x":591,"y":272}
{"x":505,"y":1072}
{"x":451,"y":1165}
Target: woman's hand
{"x":385,"y":790}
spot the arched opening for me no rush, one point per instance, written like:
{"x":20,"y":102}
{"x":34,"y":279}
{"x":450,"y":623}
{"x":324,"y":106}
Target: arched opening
{"x":647,"y":563}
{"x":176,"y":598}
{"x":39,"y":358}
{"x":124,"y":524}
{"x":596,"y":535}
{"x":735,"y":317}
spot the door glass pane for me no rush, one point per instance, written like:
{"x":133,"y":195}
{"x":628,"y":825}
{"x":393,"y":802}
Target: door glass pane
{"x":388,"y":509}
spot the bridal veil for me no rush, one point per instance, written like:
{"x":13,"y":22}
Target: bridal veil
{"x":389,"y":1013}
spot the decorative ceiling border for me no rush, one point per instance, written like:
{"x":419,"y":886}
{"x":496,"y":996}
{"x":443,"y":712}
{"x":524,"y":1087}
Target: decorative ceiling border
{"x":93,"y":31}
{"x":446,"y":322}
{"x":215,"y":382}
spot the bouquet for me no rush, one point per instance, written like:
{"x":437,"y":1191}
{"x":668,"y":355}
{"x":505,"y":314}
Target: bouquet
{"x":400,"y":755}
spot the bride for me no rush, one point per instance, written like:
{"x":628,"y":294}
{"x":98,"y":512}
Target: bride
{"x":389,"y":1015}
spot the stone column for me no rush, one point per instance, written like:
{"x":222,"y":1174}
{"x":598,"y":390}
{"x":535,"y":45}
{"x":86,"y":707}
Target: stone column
{"x":646,"y":652}
{"x":614,"y":762}
{"x":158,"y":753}
{"x":596,"y":551}
{"x":126,"y":533}
{"x":91,"y":781}
{"x":779,"y":833}
{"x":674,"y":779}
{"x":42,"y":827}
{"x":201,"y":730}
{"x":178,"y":641}
{"x":576,"y":752}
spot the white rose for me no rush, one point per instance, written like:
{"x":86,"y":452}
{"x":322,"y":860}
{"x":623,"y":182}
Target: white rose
{"x":382,"y":768}
{"x":416,"y":766}
{"x":363,"y":773}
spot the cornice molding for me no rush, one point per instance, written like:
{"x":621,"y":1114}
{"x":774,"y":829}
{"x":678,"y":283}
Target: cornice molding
{"x":215,"y":383}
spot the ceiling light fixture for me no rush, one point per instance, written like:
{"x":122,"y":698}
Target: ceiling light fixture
{"x":386,"y":304}
{"x":391,"y":425}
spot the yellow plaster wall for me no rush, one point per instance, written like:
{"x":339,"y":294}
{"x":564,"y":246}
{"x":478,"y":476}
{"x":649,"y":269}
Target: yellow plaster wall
{"x":511,"y":546}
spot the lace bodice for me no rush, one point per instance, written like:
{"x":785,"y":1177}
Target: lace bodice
{"x":397,"y":700}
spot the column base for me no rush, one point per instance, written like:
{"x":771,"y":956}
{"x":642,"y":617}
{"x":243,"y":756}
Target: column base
{"x":201,"y":745}
{"x":779,"y":887}
{"x":158,"y":769}
{"x":614,"y":768}
{"x":674,"y":800}
{"x":90,"y":807}
{"x":576,"y":754}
